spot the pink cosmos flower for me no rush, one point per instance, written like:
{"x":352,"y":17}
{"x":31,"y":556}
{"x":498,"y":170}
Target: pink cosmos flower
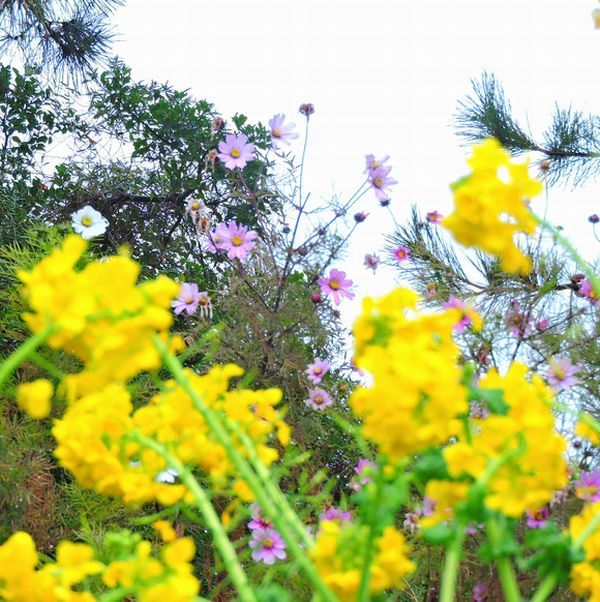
{"x":188,"y":299}
{"x":281,"y":132}
{"x":481,"y":591}
{"x":519,"y":324}
{"x":430,"y":291}
{"x":335,"y":285}
{"x":434,"y":217}
{"x":411,"y":522}
{"x":318,"y":399}
{"x":587,"y":289}
{"x":588,"y":486}
{"x":465,"y":320}
{"x":235,"y":151}
{"x":561,"y":374}
{"x":372,"y":262}
{"x":237,"y":240}
{"x":538,"y":519}
{"x":258,"y":520}
{"x":333,"y":513}
{"x":542,"y":325}
{"x":317,"y":370}
{"x":267,"y":546}
{"x":380,"y":181}
{"x":212,"y":242}
{"x":400,"y":253}
{"x":362,"y":477}
{"x":373,"y":163}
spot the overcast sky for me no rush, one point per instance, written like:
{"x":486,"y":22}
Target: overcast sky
{"x":385,"y":78}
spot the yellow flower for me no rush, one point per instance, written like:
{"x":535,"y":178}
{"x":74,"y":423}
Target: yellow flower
{"x":491,"y":205}
{"x":417,"y":396}
{"x":339,"y":557}
{"x":585,"y":576}
{"x":584,"y":429}
{"x":445,"y":494}
{"x":34,"y":397}
{"x":524,"y":440}
{"x":166,"y":531}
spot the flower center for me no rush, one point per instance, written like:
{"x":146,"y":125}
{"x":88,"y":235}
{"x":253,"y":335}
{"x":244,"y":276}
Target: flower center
{"x":317,"y":370}
{"x":268,"y":543}
{"x":235,"y":152}
{"x":375,"y":165}
{"x":319,"y":400}
{"x":237,"y":241}
{"x":559,"y":373}
{"x":195,"y":206}
{"x":189,"y":300}
{"x":87,"y":221}
{"x":539,"y":515}
{"x":202,"y":301}
{"x":276,"y":133}
{"x":334,"y":284}
{"x":378,"y":182}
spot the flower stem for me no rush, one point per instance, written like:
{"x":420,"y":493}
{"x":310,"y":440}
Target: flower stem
{"x":566,"y":243}
{"x":215,"y":423}
{"x":506,"y":571}
{"x":19,"y":355}
{"x":451,"y":566}
{"x":225,"y":547}
{"x":546,"y":587}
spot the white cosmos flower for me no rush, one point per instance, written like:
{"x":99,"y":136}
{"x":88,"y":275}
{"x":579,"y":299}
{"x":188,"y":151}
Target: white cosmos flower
{"x":88,"y":222}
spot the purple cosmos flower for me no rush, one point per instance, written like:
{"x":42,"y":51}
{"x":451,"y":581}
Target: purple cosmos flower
{"x":465,"y":320}
{"x":362,"y":476}
{"x":380,"y":181}
{"x":481,"y":591}
{"x":336,"y":284}
{"x":360,"y":217}
{"x":519,"y":324}
{"x":434,"y":217}
{"x":373,"y":163}
{"x":212,"y":242}
{"x":538,"y":519}
{"x":333,"y":513}
{"x":188,"y":299}
{"x":372,"y":261}
{"x":317,"y":370}
{"x":594,"y":218}
{"x":428,"y":506}
{"x":430,"y":291}
{"x":307,"y":109}
{"x":281,"y":132}
{"x":267,"y":546}
{"x":542,"y":325}
{"x":400,"y":253}
{"x":237,"y":240}
{"x":258,"y":520}
{"x":235,"y":151}
{"x":411,"y":521}
{"x":588,"y":486}
{"x":318,"y":399}
{"x":561,"y":374}
{"x":587,"y":289}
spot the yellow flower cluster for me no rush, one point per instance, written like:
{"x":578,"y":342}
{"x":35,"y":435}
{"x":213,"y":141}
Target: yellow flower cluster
{"x":339,"y":557}
{"x":585,"y":576}
{"x":529,"y":453}
{"x":491,"y":205}
{"x":584,"y":429}
{"x":93,"y":443}
{"x":445,"y":495}
{"x":417,"y":395}
{"x":99,"y":314}
{"x":34,"y":397}
{"x":153,"y":580}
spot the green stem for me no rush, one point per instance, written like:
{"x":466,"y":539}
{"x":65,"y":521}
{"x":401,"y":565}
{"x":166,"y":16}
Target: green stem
{"x":49,"y":367}
{"x":546,"y":587}
{"x":363,"y":590}
{"x":225,"y":547}
{"x":19,"y":355}
{"x":566,"y":243}
{"x":276,"y":495}
{"x":506,"y":571}
{"x":451,"y":566}
{"x":215,"y":424}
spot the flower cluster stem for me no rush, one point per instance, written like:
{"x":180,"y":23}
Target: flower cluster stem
{"x":225,"y":547}
{"x":506,"y":571}
{"x":451,"y":566}
{"x":215,"y":423}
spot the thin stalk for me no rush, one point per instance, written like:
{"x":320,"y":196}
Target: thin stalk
{"x":506,"y":571}
{"x":451,"y":566}
{"x":566,"y":243}
{"x":215,"y":423}
{"x":546,"y":587}
{"x":225,"y":547}
{"x":363,"y":590}
{"x":19,"y":355}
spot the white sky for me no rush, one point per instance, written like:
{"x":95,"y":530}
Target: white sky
{"x":384,"y":76}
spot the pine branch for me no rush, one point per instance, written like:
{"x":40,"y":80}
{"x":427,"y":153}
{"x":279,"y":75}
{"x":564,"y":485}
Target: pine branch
{"x":570,"y":147}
